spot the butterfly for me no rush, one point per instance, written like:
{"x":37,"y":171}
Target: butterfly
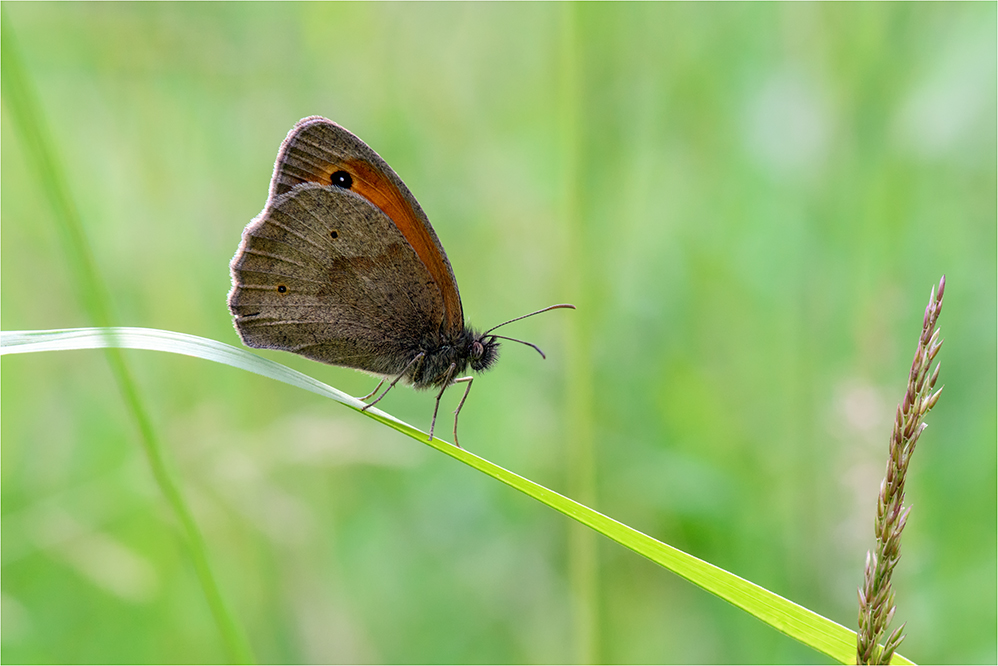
{"x":343,"y":267}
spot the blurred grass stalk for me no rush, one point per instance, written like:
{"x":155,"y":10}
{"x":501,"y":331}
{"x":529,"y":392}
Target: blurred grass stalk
{"x":20,"y":99}
{"x":876,"y":597}
{"x":583,"y":565}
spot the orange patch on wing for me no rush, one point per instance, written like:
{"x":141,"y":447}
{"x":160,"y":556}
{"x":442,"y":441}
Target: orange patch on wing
{"x":373,"y":186}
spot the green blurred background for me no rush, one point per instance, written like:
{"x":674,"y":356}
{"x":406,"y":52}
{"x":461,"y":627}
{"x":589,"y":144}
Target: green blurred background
{"x":749,"y":204}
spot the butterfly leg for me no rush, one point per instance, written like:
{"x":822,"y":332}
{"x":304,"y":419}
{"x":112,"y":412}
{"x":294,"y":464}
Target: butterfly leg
{"x":376,"y":389}
{"x":436,"y":407}
{"x":457,"y":411}
{"x":417,"y":359}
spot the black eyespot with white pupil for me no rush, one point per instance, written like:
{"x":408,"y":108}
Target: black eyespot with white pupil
{"x":342,"y":179}
{"x":334,"y":234}
{"x":281,"y":289}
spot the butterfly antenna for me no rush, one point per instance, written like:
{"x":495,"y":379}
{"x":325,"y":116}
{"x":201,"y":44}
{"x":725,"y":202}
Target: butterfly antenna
{"x":522,"y":342}
{"x":550,"y":307}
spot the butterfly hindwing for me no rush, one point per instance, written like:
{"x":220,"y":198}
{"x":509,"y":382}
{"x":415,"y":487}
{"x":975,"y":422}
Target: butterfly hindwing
{"x":323,"y":273}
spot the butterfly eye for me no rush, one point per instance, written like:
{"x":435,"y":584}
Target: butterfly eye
{"x":477,"y":349}
{"x":342,"y":179}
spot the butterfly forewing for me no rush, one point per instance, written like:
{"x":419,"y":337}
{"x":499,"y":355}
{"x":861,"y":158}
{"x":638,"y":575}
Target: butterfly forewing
{"x":316,"y":149}
{"x":312,"y":152}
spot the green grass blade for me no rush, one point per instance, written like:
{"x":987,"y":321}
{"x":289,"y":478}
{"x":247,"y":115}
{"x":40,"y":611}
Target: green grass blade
{"x":795,"y":621}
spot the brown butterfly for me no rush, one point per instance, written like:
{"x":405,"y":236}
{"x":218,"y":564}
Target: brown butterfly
{"x":343,"y":267}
